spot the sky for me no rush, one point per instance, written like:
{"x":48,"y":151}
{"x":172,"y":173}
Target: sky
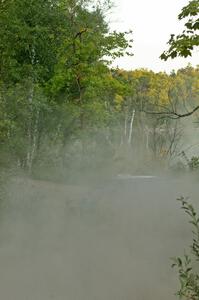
{"x":152,"y":22}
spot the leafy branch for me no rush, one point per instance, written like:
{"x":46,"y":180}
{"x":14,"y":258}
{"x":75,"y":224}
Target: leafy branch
{"x":188,"y":277}
{"x":184,"y":43}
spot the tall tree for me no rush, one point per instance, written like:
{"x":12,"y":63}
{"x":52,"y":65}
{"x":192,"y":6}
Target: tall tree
{"x":56,"y":78}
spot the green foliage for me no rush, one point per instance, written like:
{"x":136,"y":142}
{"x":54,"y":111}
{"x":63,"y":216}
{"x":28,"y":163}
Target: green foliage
{"x":55,"y":82}
{"x":33,"y":27}
{"x":184,"y":43}
{"x":58,"y":90}
{"x":194,"y":163}
{"x":188,"y":264}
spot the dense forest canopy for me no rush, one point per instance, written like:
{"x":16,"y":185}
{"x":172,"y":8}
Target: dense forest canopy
{"x":61,"y":102}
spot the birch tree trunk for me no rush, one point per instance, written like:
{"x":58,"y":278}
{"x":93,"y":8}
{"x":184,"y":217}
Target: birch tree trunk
{"x":131,"y":127}
{"x":125,"y":126}
{"x":28,"y":163}
{"x":32,"y":131}
{"x":33,"y":120}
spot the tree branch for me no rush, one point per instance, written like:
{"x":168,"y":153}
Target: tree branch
{"x":173,"y":114}
{"x":79,"y":34}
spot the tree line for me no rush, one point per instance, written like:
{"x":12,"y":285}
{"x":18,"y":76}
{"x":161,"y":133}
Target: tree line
{"x":62,"y":103}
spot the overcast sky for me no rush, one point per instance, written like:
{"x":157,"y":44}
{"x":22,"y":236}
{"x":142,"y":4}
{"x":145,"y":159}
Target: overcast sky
{"x":152,"y":22}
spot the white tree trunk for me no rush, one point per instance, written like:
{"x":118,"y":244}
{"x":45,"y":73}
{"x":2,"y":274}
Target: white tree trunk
{"x":32,"y":131}
{"x":125,"y":125}
{"x":131,"y":127}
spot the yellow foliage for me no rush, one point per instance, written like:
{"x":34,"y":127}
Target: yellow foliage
{"x":118,"y":101}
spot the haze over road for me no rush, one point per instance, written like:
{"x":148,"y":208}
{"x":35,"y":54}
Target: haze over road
{"x":108,"y":242}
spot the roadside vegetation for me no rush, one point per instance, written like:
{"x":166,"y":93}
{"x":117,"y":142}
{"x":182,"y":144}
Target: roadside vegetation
{"x":63,"y":107}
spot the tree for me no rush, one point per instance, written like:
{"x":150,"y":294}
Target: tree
{"x":55,"y":83}
{"x":184,"y":43}
{"x":30,"y":36}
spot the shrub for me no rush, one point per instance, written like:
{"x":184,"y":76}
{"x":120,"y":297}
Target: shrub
{"x":187,"y":265}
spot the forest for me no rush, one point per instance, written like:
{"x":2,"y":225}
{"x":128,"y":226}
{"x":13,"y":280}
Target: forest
{"x":64,"y":107}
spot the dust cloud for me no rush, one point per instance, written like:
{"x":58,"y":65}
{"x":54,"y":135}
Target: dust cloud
{"x":111,"y":241}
